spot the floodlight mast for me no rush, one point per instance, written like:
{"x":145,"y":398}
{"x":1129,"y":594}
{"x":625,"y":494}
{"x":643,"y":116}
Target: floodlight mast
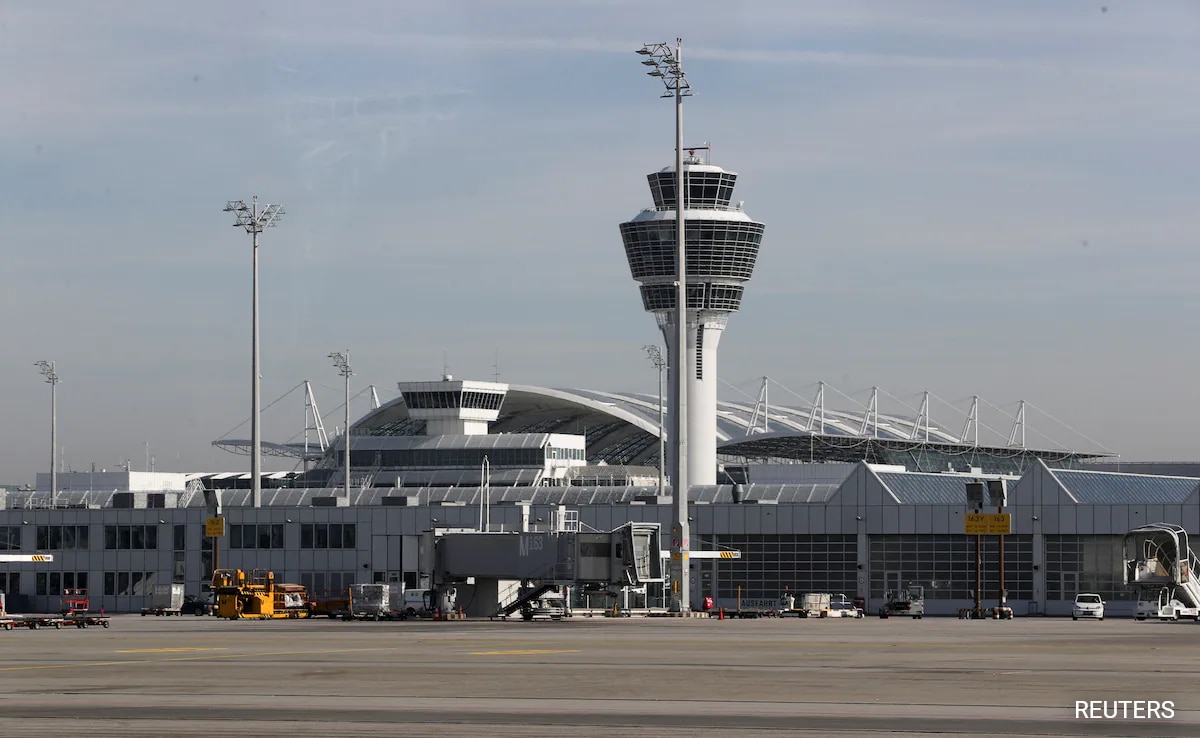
{"x":342,"y":362}
{"x":47,"y":369}
{"x":253,"y":218}
{"x":667,"y":62}
{"x":656,"y":358}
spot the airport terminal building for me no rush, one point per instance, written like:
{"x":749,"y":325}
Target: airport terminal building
{"x":428,"y":459}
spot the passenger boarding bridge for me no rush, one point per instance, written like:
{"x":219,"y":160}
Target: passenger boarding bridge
{"x":488,"y":574}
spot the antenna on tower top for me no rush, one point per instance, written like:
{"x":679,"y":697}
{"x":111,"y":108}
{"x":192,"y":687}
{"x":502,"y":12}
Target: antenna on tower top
{"x":496,"y":366}
{"x":445,"y":364}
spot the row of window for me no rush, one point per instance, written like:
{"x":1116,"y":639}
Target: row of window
{"x":54,"y":582}
{"x":260,"y":536}
{"x":60,"y":537}
{"x":447,"y":457}
{"x":704,"y":189}
{"x":129,"y":583}
{"x":10,"y":538}
{"x":453,"y":400}
{"x":706,"y":296}
{"x":719,"y":249}
{"x":130,"y":537}
{"x":322,"y":584}
{"x":328,"y":535}
{"x":10,"y":582}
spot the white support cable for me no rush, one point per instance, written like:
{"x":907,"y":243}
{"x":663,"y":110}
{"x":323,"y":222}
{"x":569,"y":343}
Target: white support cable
{"x":1100,"y":446}
{"x":1055,"y":444}
{"x":268,"y":407}
{"x":978,"y":421}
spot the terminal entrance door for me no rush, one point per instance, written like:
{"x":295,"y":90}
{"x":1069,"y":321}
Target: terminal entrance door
{"x":1070,"y":585}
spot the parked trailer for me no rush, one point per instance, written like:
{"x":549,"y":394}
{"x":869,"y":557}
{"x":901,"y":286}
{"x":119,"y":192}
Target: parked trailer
{"x":68,"y":618}
{"x":375,"y":601}
{"x":166,"y":600}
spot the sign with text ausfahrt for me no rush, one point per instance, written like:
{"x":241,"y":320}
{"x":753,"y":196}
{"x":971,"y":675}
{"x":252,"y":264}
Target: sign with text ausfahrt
{"x":214,"y":527}
{"x":988,"y":524}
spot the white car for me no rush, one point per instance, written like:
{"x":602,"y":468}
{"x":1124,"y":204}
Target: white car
{"x":1088,"y":606}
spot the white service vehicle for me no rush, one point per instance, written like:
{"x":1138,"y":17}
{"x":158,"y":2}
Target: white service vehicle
{"x":1087,"y":605}
{"x":549,"y":605}
{"x":841,"y":606}
{"x":1162,"y":605}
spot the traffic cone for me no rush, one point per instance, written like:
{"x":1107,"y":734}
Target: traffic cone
{"x":721,"y":614}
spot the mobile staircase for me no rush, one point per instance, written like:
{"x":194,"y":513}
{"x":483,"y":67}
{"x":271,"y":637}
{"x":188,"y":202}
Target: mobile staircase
{"x":1162,"y":567}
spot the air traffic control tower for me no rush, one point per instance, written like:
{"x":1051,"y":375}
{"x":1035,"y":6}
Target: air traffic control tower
{"x":721,"y":244}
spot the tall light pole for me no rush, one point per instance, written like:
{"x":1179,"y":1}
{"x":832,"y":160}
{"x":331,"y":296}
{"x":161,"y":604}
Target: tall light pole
{"x":47,"y":369}
{"x":656,"y":358}
{"x":254,"y":218}
{"x":668,"y":66}
{"x":342,"y":362}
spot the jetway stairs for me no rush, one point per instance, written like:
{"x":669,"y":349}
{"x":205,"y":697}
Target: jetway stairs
{"x":1157,"y":556}
{"x":531,"y":594}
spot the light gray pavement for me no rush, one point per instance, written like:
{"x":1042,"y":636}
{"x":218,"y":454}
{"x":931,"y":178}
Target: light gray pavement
{"x":596,"y":677}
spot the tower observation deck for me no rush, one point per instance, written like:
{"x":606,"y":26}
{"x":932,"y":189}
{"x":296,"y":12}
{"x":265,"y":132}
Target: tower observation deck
{"x":721,"y":244}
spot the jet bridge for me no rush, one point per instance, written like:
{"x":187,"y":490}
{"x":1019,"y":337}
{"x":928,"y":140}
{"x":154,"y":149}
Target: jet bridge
{"x":538,"y":562}
{"x":1158,"y":556}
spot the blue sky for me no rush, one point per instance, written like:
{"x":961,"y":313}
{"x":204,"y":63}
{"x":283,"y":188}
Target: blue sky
{"x":961,"y":197}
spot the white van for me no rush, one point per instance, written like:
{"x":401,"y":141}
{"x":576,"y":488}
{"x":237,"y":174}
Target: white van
{"x":415,"y":603}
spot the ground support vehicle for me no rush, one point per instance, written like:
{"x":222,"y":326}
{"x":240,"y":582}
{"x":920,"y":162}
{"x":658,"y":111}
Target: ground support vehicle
{"x":77,"y":610}
{"x":1162,"y":603}
{"x":548,"y":605}
{"x":908,"y":602}
{"x":167,"y":599}
{"x":805,"y":605}
{"x":256,"y":595}
{"x":375,"y":602}
{"x":841,"y":606}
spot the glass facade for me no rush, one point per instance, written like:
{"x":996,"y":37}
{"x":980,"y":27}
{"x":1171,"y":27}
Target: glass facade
{"x":705,"y":296}
{"x":945,"y":565}
{"x":771,"y":563}
{"x":1077,"y":564}
{"x":715,"y":248}
{"x":454,"y":399}
{"x":712,"y":190}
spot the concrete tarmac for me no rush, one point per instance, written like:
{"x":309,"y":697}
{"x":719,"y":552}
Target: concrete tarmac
{"x":191,"y":676}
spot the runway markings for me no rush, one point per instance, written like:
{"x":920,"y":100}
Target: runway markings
{"x":526,"y":652}
{"x":207,"y":657}
{"x":167,"y":650}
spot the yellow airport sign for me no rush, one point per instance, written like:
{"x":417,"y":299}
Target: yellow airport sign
{"x":988,"y":524}
{"x":214,"y":527}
